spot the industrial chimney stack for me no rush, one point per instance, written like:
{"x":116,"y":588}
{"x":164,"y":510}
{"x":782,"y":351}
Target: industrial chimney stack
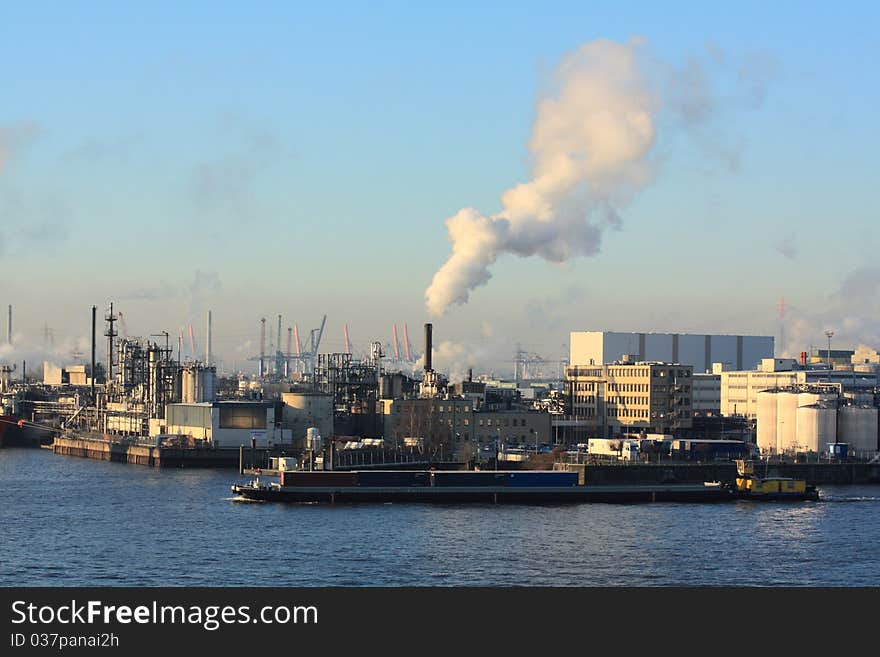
{"x":208,"y":343}
{"x":9,"y":326}
{"x":428,"y":347}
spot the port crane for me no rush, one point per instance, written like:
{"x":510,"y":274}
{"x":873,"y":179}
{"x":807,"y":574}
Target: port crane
{"x":296,"y":358}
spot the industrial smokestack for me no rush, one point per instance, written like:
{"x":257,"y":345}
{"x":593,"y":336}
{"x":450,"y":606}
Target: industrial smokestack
{"x":262,"y":347}
{"x":208,"y":342}
{"x":428,"y":347}
{"x":287,"y":354}
{"x":278,"y":339}
{"x":94,"y":321}
{"x":9,"y":326}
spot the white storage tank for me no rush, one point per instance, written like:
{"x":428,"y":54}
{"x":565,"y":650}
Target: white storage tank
{"x":816,"y":427}
{"x":767,"y":421}
{"x":786,"y":420}
{"x":857,"y":426}
{"x":313,"y":439}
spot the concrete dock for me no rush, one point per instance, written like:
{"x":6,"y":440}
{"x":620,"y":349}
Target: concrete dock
{"x":158,"y":457}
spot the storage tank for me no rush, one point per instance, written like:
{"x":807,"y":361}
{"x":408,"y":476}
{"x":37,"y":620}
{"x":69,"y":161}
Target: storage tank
{"x":767,"y":421}
{"x":816,"y":427}
{"x":810,"y":398}
{"x":189,"y":394}
{"x":209,"y":384}
{"x":786,"y":420}
{"x":857,"y":426}
{"x":313,"y":439}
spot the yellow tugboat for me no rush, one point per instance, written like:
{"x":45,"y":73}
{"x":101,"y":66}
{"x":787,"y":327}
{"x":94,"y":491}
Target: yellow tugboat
{"x":752,"y":487}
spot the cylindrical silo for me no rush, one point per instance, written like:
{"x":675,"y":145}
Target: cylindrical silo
{"x":860,"y":397}
{"x":808,"y":398}
{"x":190,"y":385}
{"x":786,"y":420}
{"x":857,"y":426}
{"x":767,"y":421}
{"x":816,"y":427}
{"x":209,"y":384}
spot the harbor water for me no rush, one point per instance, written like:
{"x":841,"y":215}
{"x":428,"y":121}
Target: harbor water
{"x":71,"y":522}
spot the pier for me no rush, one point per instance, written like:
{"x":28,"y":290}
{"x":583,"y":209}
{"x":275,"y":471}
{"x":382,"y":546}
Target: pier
{"x":157,"y":457}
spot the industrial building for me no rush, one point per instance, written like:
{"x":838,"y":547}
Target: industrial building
{"x":707,"y":392}
{"x":741,"y":352}
{"x":226,"y":424}
{"x":623,"y":397}
{"x":739,"y":389}
{"x":457,"y":420}
{"x":809,"y":418}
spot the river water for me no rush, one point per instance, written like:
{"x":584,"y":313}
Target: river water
{"x":69,"y":522}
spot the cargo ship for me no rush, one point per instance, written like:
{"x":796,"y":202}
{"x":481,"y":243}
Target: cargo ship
{"x":15,"y":431}
{"x":464,"y":486}
{"x":752,"y":487}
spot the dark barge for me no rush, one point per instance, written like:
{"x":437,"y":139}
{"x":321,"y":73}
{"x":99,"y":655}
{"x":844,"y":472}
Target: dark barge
{"x":448,"y":487}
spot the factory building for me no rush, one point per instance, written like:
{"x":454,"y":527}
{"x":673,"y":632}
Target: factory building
{"x":625,"y":397}
{"x":706,"y":388}
{"x":742,"y":352}
{"x":458,"y":420}
{"x":739,"y":389}
{"x":800,"y":419}
{"x":225,"y":424}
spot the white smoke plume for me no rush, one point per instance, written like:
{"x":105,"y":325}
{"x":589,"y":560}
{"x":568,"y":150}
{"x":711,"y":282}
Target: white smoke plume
{"x":852,"y":311}
{"x":591,"y":151}
{"x":14,"y":138}
{"x":590,"y":145}
{"x":67,"y":350}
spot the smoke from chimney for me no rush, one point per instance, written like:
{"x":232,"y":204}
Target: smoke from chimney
{"x":589,"y":146}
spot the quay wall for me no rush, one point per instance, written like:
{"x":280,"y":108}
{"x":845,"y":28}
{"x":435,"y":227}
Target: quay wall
{"x":159,"y":457}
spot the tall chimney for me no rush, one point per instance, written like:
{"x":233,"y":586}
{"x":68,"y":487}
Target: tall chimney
{"x":278,"y":340}
{"x":9,"y":326}
{"x":94,"y":365}
{"x":262,"y":347}
{"x":428,"y":347}
{"x":208,"y":343}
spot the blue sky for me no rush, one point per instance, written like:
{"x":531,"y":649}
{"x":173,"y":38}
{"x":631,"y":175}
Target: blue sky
{"x":300,"y":159}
